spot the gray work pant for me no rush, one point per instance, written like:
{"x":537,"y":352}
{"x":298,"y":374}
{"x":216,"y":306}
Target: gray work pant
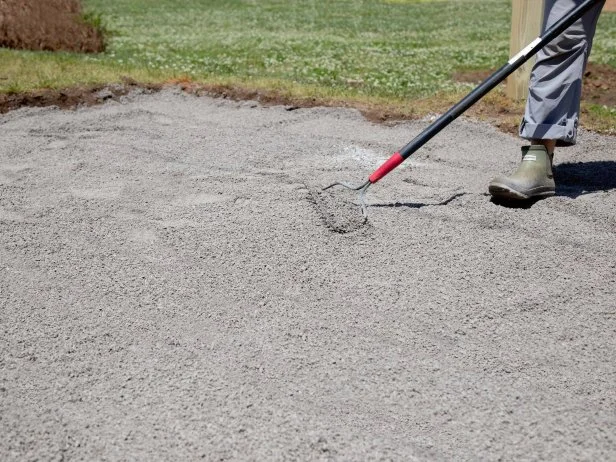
{"x":553,"y":104}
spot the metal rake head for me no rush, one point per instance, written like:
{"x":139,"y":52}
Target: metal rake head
{"x":362,"y":188}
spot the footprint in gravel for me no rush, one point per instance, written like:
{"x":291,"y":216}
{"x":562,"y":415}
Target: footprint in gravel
{"x":339,"y":209}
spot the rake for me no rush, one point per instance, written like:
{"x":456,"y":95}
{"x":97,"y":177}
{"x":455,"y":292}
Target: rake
{"x":452,"y":114}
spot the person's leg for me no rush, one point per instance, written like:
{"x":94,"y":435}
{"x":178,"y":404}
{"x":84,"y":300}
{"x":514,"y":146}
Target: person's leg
{"x":553,"y":104}
{"x":549,"y":144}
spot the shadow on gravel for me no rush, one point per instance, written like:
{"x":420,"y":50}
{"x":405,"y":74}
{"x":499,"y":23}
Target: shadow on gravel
{"x":415,"y":205}
{"x":576,"y":179}
{"x":513,"y":204}
{"x":573,"y":180}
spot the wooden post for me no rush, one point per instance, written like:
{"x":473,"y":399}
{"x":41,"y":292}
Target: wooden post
{"x":526,"y":20}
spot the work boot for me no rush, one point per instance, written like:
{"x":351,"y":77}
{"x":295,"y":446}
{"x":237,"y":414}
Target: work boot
{"x":532,"y":180}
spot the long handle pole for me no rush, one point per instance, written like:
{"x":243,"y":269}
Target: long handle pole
{"x":485,"y":87}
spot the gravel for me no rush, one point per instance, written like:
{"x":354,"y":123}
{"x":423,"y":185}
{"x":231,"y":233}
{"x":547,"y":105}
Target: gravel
{"x":175,"y":285}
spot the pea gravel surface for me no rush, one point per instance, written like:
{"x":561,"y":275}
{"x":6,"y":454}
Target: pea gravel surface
{"x":174,"y":285}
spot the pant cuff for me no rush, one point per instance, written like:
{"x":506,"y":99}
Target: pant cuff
{"x":565,"y":133}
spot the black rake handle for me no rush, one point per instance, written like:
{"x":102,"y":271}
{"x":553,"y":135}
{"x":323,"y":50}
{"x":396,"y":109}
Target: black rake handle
{"x":483,"y":89}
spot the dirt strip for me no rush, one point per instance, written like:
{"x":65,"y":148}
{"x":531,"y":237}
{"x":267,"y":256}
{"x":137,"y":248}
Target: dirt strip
{"x":174,"y":285}
{"x":599,"y":88}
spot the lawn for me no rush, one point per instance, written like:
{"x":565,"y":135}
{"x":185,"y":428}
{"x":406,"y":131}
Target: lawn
{"x":379,"y":50}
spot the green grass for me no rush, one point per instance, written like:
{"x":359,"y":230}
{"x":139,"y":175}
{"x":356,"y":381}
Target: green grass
{"x":365,"y":47}
{"x":386,"y":50}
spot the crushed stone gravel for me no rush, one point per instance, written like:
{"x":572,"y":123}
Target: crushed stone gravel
{"x":175,"y":285}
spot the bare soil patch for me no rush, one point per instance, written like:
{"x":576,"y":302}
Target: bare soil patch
{"x":89,"y":95}
{"x":71,"y":98}
{"x":599,"y":84}
{"x":50,"y":25}
{"x":599,"y":87}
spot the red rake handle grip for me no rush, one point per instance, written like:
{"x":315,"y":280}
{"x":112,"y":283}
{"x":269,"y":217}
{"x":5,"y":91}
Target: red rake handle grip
{"x":387,"y":167}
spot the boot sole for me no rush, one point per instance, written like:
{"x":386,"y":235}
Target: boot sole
{"x":505,"y":192}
